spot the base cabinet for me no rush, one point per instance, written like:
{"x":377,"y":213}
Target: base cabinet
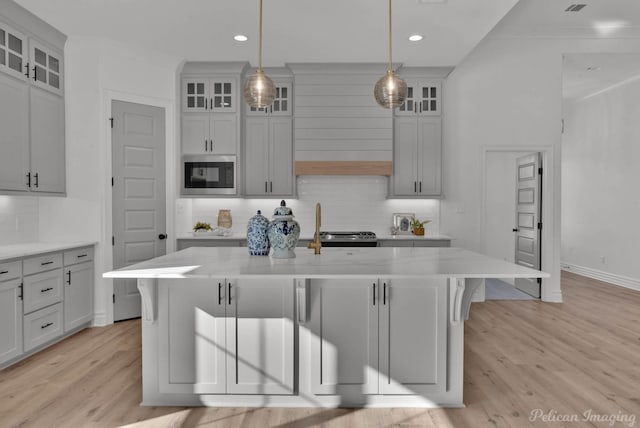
{"x":10,"y":319}
{"x":378,"y":336}
{"x":78,"y":295}
{"x":226,"y":336}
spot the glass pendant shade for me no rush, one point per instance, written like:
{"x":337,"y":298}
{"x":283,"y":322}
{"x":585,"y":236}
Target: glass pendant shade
{"x":390,"y":90}
{"x":259,"y":90}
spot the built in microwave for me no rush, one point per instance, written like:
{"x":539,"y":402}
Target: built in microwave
{"x":209,"y":175}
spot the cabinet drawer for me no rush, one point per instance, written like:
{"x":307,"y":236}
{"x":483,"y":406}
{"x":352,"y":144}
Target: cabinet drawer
{"x":42,"y":326}
{"x":42,"y":263}
{"x":42,"y":290}
{"x":78,"y":255}
{"x":10,"y":270}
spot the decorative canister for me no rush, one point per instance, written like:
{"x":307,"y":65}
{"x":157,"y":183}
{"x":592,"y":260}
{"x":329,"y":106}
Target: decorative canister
{"x":224,"y":218}
{"x":257,"y":240}
{"x":283,"y":232}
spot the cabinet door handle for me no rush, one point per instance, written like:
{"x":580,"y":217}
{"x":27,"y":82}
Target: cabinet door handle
{"x":46,"y":325}
{"x":271,"y":186}
{"x":46,"y":263}
{"x":3,"y":272}
{"x":415,"y":189}
{"x":211,"y":103}
{"x":229,"y":293}
{"x":69,"y":277}
{"x":421,"y":187}
{"x":219,"y":293}
{"x":29,"y":179}
{"x":211,"y":145}
{"x":205,"y":145}
{"x":26,"y":68}
{"x":265,"y":187}
{"x":81,"y":256}
{"x":36,"y":177}
{"x":21,"y":287}
{"x":384,"y":293}
{"x":44,"y":290}
{"x":35,"y":73}
{"x":205,"y":104}
{"x":374,"y":294}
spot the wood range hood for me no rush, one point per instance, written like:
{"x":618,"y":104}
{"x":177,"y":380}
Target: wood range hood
{"x":384,"y":168}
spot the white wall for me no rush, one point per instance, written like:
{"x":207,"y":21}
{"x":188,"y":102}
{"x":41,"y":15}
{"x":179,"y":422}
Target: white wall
{"x":508,"y":92}
{"x":600,"y":175}
{"x":348,"y":203}
{"x":18,"y":219}
{"x":98,"y":71}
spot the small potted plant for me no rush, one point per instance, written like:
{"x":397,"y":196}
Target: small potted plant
{"x":202,"y":227}
{"x":418,"y":226}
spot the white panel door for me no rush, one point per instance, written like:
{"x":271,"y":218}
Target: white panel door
{"x":10,"y":320}
{"x":405,"y":162}
{"x":344,"y":347}
{"x":413,"y":336}
{"x":260,"y":323}
{"x":78,"y":295}
{"x":192,"y":336}
{"x":256,"y":155}
{"x":224,"y":134}
{"x":527,"y":230}
{"x":430,"y":156}
{"x":280,"y":156}
{"x":139,"y":226}
{"x":47,"y":142}
{"x":14,"y":134}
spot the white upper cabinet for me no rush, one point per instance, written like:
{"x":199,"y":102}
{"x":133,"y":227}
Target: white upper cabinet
{"x":45,"y":67}
{"x":204,"y":94}
{"x":423,"y":98}
{"x":32,"y":113}
{"x":13,"y":52}
{"x":209,"y":134}
{"x":282,"y":103}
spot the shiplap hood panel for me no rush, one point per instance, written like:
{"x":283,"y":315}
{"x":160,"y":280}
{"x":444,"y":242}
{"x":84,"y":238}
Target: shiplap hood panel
{"x":338,"y":124}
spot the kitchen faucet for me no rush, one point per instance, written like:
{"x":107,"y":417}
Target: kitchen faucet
{"x":316,"y":244}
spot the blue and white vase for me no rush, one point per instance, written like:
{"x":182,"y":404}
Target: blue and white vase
{"x":257,"y":240}
{"x":283,"y":232}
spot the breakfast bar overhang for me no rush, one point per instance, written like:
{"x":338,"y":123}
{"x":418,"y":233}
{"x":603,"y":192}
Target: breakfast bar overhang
{"x":362,"y":327}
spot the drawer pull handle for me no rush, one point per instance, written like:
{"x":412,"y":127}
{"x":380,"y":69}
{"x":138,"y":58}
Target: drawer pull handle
{"x":46,"y":263}
{"x":3,"y":272}
{"x":46,"y":325}
{"x":81,"y":256}
{"x":69,"y":277}
{"x":46,"y":289}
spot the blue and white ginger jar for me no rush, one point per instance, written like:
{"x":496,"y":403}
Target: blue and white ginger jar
{"x":283,"y":232}
{"x":257,"y":240}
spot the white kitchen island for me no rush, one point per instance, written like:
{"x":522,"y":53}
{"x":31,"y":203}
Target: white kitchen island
{"x":374,"y":327}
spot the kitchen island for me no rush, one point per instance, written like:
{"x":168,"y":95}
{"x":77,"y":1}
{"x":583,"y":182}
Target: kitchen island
{"x":375,"y":327}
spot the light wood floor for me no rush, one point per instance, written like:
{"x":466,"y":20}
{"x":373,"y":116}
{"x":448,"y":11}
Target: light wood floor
{"x":579,"y":356}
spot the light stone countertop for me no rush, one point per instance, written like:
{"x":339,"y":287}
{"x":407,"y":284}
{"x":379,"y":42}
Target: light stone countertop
{"x":235,"y":262}
{"x":387,"y":237}
{"x":14,"y":251}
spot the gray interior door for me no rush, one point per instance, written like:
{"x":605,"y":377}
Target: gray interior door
{"x":139,"y":225}
{"x":528,"y":221}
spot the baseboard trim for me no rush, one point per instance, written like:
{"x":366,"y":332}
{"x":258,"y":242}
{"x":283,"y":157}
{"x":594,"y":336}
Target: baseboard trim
{"x":619,"y":280}
{"x":100,"y":319}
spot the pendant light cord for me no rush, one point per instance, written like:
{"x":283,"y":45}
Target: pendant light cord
{"x":260,"y":40}
{"x":390,"y":49}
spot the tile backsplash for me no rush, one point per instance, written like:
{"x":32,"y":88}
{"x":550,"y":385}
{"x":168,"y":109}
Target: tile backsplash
{"x":18,"y":219}
{"x":348,"y":203}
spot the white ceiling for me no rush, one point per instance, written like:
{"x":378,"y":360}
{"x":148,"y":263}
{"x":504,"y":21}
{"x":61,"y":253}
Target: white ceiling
{"x":355,"y":30}
{"x":294,"y":30}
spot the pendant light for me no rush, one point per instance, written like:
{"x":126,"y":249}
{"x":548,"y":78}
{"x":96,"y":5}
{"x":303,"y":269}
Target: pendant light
{"x":259,"y":90}
{"x":390,"y":90}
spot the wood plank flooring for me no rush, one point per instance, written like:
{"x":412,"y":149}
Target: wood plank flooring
{"x":565,"y":359}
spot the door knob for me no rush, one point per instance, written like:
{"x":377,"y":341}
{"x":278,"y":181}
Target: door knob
{"x":162,"y":236}
{"x":514,"y":230}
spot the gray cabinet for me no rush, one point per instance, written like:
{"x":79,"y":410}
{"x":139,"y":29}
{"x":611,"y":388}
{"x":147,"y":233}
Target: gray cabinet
{"x":417,"y":152}
{"x":226,"y":336}
{"x":10,"y":316}
{"x":209,"y":134}
{"x":424,"y":98}
{"x":78,"y":288}
{"x":32,"y":136}
{"x":378,"y":336}
{"x":268,"y":155}
{"x":183,"y":243}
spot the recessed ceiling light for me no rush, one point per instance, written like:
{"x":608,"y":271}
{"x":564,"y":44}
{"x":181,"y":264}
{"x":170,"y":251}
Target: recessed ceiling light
{"x":415,"y":37}
{"x":240,"y":38}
